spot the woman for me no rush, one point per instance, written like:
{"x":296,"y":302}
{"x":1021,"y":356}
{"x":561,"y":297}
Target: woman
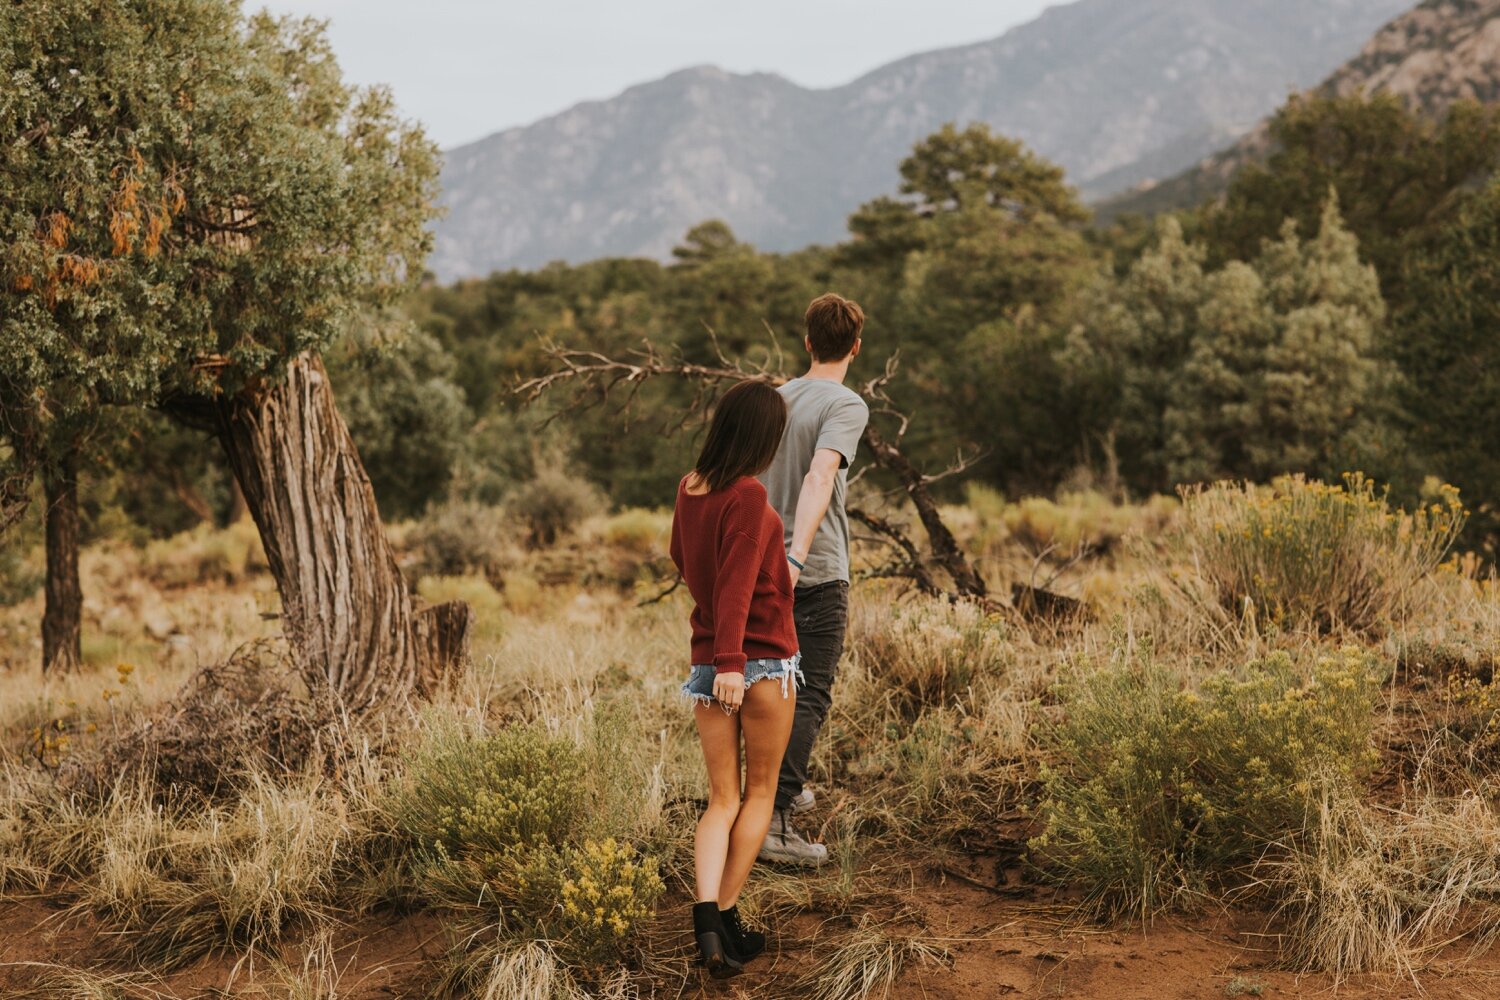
{"x":727,"y":543}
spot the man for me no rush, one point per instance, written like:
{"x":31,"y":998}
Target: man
{"x":806,"y":485}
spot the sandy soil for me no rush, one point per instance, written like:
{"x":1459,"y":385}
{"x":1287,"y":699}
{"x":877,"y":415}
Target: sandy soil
{"x":1002,"y":941}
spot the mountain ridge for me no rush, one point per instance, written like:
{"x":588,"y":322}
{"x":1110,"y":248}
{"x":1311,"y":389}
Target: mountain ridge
{"x":1114,"y":90}
{"x":1439,"y":52}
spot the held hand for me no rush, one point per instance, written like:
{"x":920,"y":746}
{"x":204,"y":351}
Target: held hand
{"x":729,"y":690}
{"x":794,"y":568}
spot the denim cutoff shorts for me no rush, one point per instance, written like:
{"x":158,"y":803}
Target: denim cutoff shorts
{"x":700,"y":683}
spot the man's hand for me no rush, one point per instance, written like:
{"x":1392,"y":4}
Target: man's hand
{"x":794,"y":571}
{"x":729,"y":690}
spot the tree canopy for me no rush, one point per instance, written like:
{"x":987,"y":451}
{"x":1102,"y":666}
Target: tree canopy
{"x":190,"y":199}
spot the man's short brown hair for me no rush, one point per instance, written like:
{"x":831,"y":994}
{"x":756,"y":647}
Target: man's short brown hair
{"x":834,"y":324}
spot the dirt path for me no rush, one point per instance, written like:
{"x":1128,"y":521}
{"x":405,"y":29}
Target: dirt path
{"x":999,"y":947}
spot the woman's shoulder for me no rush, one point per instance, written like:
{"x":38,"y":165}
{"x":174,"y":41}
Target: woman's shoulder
{"x":749,"y":488}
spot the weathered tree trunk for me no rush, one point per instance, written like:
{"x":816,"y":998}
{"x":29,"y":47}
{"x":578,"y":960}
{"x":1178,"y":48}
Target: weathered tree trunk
{"x":237,"y":508}
{"x":62,"y":620}
{"x":345,"y":606}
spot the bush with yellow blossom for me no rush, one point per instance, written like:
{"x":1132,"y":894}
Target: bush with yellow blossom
{"x":1153,"y":788}
{"x":586,"y":900}
{"x":471,"y":791}
{"x":1302,"y":551}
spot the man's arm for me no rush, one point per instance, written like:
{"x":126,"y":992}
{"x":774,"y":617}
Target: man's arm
{"x":812,"y":504}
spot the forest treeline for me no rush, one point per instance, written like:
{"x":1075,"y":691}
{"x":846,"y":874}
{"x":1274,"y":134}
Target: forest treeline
{"x":1335,"y":311}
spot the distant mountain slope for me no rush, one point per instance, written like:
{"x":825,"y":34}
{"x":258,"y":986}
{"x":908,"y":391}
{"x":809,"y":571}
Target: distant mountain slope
{"x":1114,"y":90}
{"x":1439,"y":52}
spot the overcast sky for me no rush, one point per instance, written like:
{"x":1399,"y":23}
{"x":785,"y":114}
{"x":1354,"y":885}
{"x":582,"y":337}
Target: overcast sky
{"x":467,"y":68}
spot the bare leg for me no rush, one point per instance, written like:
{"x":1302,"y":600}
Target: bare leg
{"x":719,"y":733}
{"x":766,"y":720}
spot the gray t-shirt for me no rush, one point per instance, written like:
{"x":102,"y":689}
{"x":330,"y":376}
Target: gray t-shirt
{"x":819,"y":414}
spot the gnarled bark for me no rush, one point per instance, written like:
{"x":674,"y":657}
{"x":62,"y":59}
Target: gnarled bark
{"x":62,"y":619}
{"x":345,"y":606}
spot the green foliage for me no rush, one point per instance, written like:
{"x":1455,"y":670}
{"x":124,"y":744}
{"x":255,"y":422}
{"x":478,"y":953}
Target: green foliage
{"x":974,"y":280}
{"x":462,"y":537}
{"x":1336,"y":556}
{"x":1396,"y":171}
{"x":191,"y":198}
{"x":502,"y":818}
{"x":1154,"y":790}
{"x":951,"y":168}
{"x":587,"y":900}
{"x":1448,"y":352}
{"x":1249,"y":371}
{"x":405,"y":414}
{"x":554,"y":502}
{"x":488,"y":793}
{"x":20,"y":577}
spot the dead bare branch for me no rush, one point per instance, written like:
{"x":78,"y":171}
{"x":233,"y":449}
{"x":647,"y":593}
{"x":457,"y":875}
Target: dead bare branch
{"x":911,"y":566}
{"x":592,"y":372}
{"x":662,"y":596}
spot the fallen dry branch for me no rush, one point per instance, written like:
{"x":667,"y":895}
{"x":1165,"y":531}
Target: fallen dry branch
{"x":229,"y":720}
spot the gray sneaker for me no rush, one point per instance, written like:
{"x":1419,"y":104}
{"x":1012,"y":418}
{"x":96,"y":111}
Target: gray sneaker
{"x":804,"y":801}
{"x":785,"y":846}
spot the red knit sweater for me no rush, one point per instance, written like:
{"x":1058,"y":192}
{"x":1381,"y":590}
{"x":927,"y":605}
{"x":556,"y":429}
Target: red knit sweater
{"x":728,"y":546}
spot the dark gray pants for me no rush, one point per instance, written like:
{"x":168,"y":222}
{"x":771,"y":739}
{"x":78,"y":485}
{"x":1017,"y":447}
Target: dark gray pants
{"x":822,"y":617}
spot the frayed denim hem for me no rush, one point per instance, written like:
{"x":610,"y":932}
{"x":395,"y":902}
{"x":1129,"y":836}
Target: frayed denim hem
{"x":787,"y":671}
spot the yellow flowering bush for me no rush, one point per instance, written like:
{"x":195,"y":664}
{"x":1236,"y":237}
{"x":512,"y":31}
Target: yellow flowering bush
{"x":1303,"y":551}
{"x":472,"y":791}
{"x":1153,"y":788}
{"x":586,"y":900}
{"x":1472,"y":703}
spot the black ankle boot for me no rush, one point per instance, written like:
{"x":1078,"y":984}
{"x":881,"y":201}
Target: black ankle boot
{"x":744,"y":943}
{"x":713,"y":941}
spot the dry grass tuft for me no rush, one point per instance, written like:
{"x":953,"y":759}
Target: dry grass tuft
{"x":866,"y":964}
{"x":48,"y":981}
{"x":1373,"y":889}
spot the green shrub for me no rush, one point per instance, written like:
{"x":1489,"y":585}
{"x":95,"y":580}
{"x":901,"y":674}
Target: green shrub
{"x":554,"y":503}
{"x":1154,"y":790}
{"x":1303,"y":551}
{"x":639,"y":531}
{"x":21,"y":574}
{"x":204,"y":554}
{"x":946,"y":783}
{"x":462,"y":538}
{"x":468,"y":791}
{"x":488,"y":604}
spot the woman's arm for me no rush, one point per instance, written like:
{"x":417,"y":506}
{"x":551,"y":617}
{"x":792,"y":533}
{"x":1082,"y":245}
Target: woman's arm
{"x":734,"y":585}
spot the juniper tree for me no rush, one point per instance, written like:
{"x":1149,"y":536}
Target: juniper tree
{"x":191,"y":203}
{"x":1248,"y":371}
{"x":1283,"y":374}
{"x":1445,"y":340}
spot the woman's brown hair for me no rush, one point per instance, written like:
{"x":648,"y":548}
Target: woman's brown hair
{"x":744,"y":435}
